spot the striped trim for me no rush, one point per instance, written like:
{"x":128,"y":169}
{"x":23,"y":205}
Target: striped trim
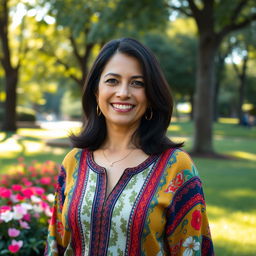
{"x":75,"y":206}
{"x":139,"y":215}
{"x":189,"y":195}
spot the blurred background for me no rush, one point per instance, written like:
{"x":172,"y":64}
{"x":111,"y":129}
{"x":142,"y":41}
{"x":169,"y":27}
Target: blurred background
{"x":207,"y":50}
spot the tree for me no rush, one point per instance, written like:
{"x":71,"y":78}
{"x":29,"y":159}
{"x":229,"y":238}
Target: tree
{"x":176,"y":55}
{"x":215,"y":20}
{"x":220,"y":66}
{"x":10,"y":69}
{"x":243,"y":44}
{"x":91,"y":23}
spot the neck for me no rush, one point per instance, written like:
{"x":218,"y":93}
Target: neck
{"x":119,"y":138}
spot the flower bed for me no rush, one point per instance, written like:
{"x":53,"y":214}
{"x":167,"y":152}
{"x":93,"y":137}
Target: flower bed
{"x":26,"y":197}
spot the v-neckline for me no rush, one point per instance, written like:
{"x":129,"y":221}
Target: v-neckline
{"x":126,"y":175}
{"x":131,"y":170}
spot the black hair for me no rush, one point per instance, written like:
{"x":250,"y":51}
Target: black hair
{"x":151,"y":134}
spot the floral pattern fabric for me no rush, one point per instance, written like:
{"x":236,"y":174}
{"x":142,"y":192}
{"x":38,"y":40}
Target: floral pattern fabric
{"x":156,"y":208}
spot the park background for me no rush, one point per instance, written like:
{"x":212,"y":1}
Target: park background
{"x":207,"y":50}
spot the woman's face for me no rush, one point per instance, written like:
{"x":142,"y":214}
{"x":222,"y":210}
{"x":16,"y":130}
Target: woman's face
{"x":121,"y":93}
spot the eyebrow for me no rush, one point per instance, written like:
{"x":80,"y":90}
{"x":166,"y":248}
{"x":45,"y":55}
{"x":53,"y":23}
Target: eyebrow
{"x":117,"y":75}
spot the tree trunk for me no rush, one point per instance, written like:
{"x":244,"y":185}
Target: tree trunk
{"x":203,"y":105}
{"x":9,"y":118}
{"x":242,"y":78}
{"x":220,"y":65}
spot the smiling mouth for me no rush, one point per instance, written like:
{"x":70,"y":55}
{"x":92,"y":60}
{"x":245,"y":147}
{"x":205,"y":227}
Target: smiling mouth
{"x":122,"y":107}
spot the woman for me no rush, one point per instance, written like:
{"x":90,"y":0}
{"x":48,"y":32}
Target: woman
{"x":125,"y":188}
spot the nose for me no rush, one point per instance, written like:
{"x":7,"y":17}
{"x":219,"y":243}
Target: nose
{"x":123,"y":91}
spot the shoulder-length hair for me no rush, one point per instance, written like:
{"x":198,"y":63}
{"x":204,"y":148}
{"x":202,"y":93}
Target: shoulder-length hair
{"x":151,"y":134}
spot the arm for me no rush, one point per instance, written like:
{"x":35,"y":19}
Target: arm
{"x":187,"y":228}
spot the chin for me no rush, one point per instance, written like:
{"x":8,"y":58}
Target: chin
{"x":124,"y":123}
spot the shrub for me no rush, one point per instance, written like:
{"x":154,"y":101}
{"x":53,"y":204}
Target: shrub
{"x":25,"y":198}
{"x":23,"y":114}
{"x":26,"y":114}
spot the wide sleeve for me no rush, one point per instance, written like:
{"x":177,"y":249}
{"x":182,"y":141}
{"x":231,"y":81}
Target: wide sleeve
{"x":187,"y":228}
{"x":57,"y":235}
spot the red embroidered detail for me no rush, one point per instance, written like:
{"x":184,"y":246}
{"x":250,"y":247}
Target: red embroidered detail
{"x":74,"y":204}
{"x":175,"y":249}
{"x":175,"y":183}
{"x":198,"y":198}
{"x":139,"y":212}
{"x":184,"y":191}
{"x":196,"y":221}
{"x":54,"y":216}
{"x":60,"y":228}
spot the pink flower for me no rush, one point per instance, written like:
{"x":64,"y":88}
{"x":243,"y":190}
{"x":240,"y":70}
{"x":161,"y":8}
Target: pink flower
{"x":44,"y":205}
{"x":5,"y":192}
{"x":16,"y":187}
{"x":44,"y":197}
{"x":45,"y":180}
{"x":5,"y":208}
{"x":15,"y":246}
{"x":24,"y":224}
{"x":27,"y":217}
{"x":18,"y":212}
{"x":19,"y":197}
{"x":27,"y":192}
{"x":13,"y":232}
{"x":48,"y":212}
{"x":39,"y":191}
{"x":26,"y":182}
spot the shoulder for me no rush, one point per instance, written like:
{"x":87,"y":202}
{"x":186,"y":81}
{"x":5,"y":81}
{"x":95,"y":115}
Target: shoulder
{"x":179,"y":156}
{"x":180,"y":172}
{"x":71,"y":158}
{"x":178,"y":161}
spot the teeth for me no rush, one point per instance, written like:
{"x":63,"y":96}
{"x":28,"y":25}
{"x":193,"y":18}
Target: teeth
{"x":121,"y":106}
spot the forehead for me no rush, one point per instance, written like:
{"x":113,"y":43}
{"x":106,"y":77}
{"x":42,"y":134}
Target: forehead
{"x":123,"y":64}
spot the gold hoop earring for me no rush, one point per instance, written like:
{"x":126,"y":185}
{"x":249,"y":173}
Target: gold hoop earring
{"x":98,"y":110}
{"x":151,"y":115}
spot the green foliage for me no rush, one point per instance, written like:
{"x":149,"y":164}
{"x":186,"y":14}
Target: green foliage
{"x":177,"y":56}
{"x":23,"y":114}
{"x":101,"y":20}
{"x":26,"y":114}
{"x":223,"y":11}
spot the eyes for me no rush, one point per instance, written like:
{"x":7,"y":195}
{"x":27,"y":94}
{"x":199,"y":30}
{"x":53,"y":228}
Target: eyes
{"x":133,"y":83}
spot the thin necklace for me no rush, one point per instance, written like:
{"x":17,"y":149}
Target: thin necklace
{"x":111,"y":164}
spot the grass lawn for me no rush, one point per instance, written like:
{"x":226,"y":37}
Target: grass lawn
{"x":229,"y":185}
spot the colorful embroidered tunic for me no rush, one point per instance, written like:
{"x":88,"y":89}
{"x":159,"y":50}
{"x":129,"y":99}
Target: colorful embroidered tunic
{"x":156,"y":208}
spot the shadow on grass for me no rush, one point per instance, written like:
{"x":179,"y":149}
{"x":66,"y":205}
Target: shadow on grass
{"x":7,"y":135}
